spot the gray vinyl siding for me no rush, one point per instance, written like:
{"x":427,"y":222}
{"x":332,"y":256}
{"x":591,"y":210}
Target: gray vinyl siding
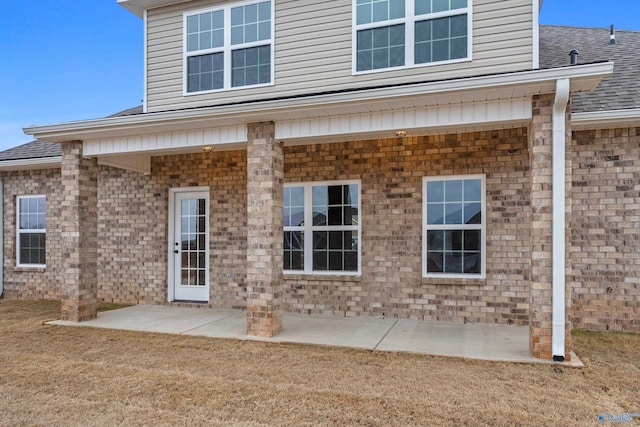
{"x":313,"y":51}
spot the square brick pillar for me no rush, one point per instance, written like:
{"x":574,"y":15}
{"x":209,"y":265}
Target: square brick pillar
{"x":78,"y":222}
{"x":541,"y":296}
{"x":265,"y":176}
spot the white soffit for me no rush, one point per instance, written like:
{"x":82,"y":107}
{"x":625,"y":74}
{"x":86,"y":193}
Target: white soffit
{"x":417,"y":121}
{"x":138,"y":7}
{"x":169,"y":142}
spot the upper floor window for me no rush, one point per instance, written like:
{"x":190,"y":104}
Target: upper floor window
{"x":31,"y":231}
{"x":229,"y":47}
{"x":322,"y":227}
{"x":399,"y":33}
{"x":454,"y":226}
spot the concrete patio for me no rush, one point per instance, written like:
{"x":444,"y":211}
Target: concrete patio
{"x":473,"y":341}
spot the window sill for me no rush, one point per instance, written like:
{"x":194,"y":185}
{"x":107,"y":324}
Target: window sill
{"x":328,"y":277}
{"x":29,"y":269}
{"x":455,"y":280}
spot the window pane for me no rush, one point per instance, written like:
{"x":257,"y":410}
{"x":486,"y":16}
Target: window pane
{"x":364,"y":14}
{"x":458,"y":48}
{"x":435,"y":191}
{"x":453,"y":213}
{"x":422,"y":7}
{"x":435,"y":213}
{"x":473,"y":213}
{"x":435,"y":262}
{"x":458,"y":26}
{"x":440,"y":5}
{"x":320,"y":260}
{"x":458,"y":4}
{"x":452,"y":262}
{"x":453,"y":191}
{"x":384,"y":47}
{"x":396,"y":9}
{"x":251,"y":66}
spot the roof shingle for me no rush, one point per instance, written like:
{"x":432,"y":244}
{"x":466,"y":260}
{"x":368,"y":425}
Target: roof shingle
{"x":618,"y":91}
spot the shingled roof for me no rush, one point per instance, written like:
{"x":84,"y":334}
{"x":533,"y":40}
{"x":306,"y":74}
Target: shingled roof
{"x":618,"y":91}
{"x":32,"y":150}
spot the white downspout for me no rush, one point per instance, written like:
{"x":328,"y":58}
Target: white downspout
{"x":1,"y":237}
{"x":559,"y":249}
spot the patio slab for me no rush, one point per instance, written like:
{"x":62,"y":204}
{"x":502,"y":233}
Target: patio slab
{"x":475,"y":341}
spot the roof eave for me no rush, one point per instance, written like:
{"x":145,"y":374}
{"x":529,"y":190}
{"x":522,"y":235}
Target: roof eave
{"x":584,"y":78}
{"x":608,"y":119}
{"x":137,"y":7}
{"x":31,"y":164}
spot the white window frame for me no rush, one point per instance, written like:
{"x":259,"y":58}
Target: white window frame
{"x":409,"y":22}
{"x":28,"y":231}
{"x":226,"y":49}
{"x":482,"y":227}
{"x":309,"y":228}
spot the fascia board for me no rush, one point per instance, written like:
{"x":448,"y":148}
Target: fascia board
{"x":31,"y":164}
{"x":605,"y":119}
{"x":583,"y":78}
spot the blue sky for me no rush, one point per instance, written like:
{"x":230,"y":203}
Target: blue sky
{"x":65,"y":60}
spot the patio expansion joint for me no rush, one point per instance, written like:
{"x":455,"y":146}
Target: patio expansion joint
{"x":375,"y":347}
{"x":210,"y":323}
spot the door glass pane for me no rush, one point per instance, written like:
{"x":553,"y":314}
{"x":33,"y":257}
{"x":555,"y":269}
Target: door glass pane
{"x":193,"y":224}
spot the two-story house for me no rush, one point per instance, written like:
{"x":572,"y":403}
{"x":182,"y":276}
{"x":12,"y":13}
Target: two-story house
{"x":406,"y":158}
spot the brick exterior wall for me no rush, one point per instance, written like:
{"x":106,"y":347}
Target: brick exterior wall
{"x":33,"y":283}
{"x":606,"y":230}
{"x":391,"y":283}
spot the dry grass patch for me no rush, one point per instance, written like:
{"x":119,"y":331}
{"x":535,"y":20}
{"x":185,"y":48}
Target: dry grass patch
{"x":62,"y":376}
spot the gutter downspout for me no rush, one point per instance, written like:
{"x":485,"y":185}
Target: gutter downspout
{"x":558,"y":203}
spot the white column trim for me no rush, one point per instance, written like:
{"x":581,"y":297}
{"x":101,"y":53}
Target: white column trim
{"x":558,"y":209}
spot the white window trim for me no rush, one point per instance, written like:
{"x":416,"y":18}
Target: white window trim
{"x":226,"y":49}
{"x":409,"y":22}
{"x":34,"y":230}
{"x":308,"y":228}
{"x":482,"y":228}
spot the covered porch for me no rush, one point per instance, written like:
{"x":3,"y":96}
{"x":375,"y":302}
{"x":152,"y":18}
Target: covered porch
{"x":513,"y":129}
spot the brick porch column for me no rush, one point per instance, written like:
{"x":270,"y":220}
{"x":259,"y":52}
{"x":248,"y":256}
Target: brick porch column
{"x":265,"y":175}
{"x":541,"y":158}
{"x":78,"y":212}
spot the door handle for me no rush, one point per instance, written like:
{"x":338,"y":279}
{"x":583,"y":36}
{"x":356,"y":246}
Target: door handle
{"x":176,"y":251}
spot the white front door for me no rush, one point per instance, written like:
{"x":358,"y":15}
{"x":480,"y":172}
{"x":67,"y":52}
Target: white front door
{"x":189,"y":246}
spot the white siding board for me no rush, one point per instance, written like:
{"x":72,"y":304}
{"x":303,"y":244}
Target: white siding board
{"x":313,"y":51}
